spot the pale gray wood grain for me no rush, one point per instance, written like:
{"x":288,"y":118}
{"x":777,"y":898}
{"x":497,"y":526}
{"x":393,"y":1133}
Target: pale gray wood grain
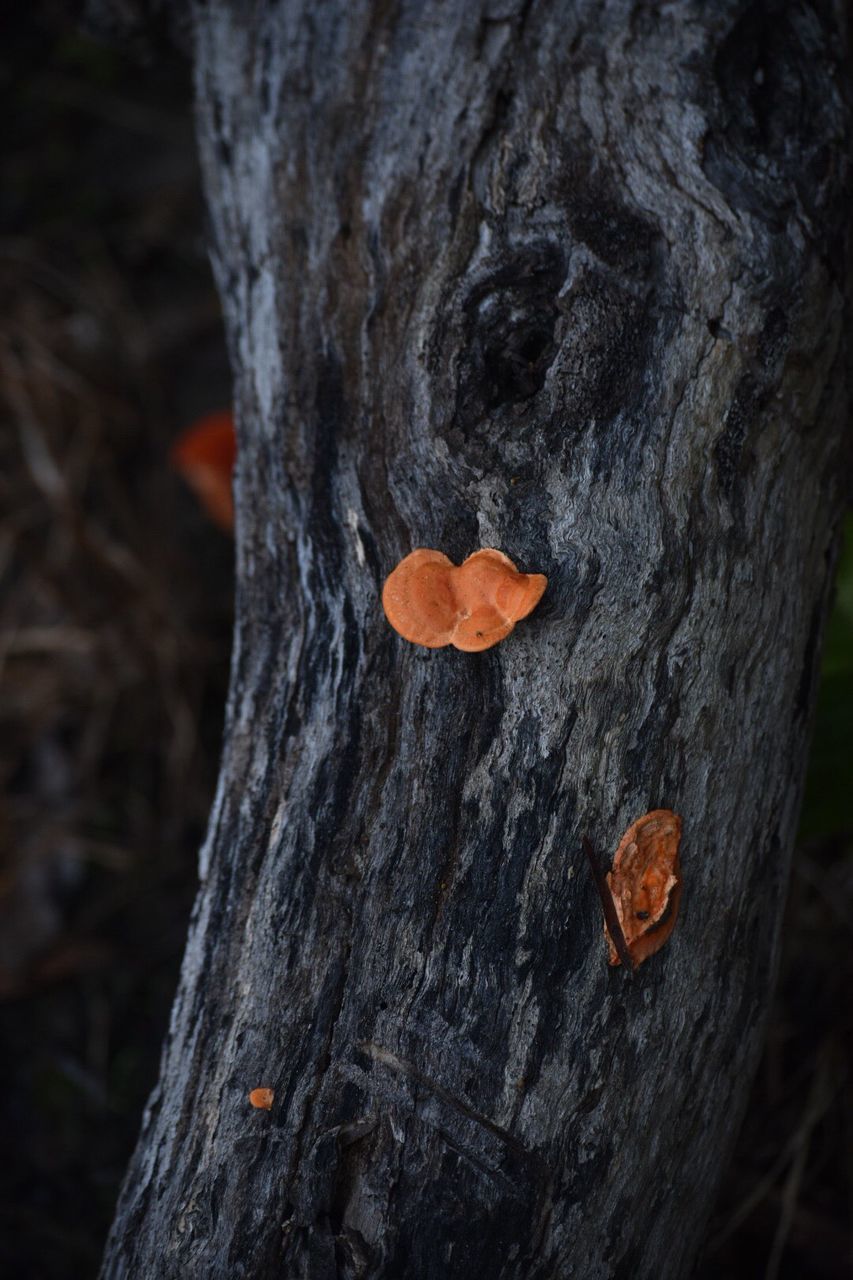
{"x":565,"y":279}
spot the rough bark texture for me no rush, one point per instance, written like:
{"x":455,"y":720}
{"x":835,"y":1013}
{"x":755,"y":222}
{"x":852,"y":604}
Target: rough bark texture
{"x":565,"y":279}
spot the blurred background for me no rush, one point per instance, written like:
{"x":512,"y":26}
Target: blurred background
{"x":115,"y":619}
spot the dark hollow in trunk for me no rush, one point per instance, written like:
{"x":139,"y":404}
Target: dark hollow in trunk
{"x":568,"y":280}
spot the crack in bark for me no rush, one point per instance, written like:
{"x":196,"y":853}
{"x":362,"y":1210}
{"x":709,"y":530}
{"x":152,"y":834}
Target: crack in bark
{"x":393,"y":1062}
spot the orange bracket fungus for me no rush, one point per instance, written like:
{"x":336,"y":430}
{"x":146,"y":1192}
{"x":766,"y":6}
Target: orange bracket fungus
{"x":204,"y":455}
{"x":262,"y":1098}
{"x":431,"y":601}
{"x":641,"y":893}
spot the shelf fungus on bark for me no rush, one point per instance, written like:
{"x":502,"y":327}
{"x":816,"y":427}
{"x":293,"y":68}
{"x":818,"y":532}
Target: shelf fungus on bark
{"x":262,"y":1098}
{"x":433,"y":602}
{"x":645,"y":884}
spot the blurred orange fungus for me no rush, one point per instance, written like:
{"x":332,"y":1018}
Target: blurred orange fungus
{"x":204,"y":455}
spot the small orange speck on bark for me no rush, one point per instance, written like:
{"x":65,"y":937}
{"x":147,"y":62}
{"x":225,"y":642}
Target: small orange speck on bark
{"x":433,"y":602}
{"x":262,"y":1098}
{"x":645,"y":884}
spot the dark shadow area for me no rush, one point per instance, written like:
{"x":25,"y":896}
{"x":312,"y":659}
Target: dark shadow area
{"x":115,"y":613}
{"x":784,"y":1208}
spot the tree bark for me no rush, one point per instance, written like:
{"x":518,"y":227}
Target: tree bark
{"x":565,"y":279}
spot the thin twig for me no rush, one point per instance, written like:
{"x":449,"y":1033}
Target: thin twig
{"x":611,"y":918}
{"x":820,"y":1096}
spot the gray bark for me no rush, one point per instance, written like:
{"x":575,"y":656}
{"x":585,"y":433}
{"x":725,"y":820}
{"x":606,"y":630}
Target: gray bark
{"x":565,"y":279}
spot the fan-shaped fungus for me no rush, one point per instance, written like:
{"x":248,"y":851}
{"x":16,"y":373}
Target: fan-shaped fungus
{"x":431,"y":601}
{"x":645,"y":884}
{"x":204,"y":455}
{"x":262,"y":1098}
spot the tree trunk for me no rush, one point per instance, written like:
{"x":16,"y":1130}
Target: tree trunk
{"x":565,"y":279}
